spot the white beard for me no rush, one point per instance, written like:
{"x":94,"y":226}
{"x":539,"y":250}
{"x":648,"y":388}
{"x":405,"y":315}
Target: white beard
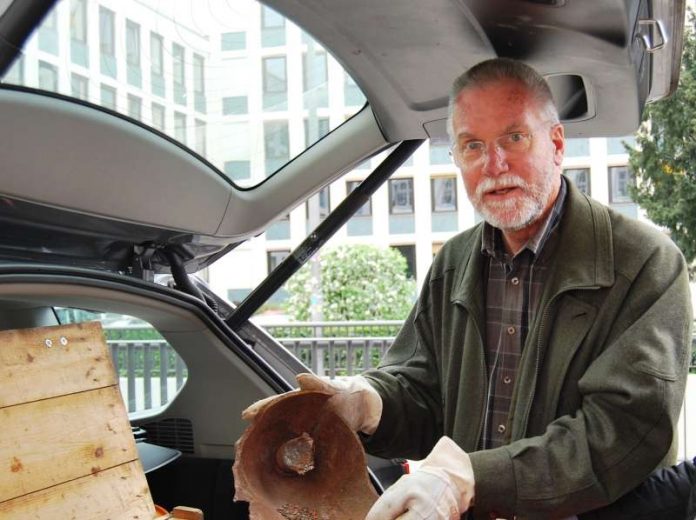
{"x":515,"y":213}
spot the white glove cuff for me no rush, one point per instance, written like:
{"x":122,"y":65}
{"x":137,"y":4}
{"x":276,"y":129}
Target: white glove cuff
{"x":448,"y":502}
{"x":448,"y":459}
{"x":354,"y":399}
{"x":371,"y":404}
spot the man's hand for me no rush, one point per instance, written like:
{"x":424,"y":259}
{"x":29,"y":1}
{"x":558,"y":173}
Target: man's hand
{"x":442,"y":488}
{"x":354,"y":400}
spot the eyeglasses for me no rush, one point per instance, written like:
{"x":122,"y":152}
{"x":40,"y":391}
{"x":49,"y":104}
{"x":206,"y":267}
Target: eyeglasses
{"x":468,"y":153}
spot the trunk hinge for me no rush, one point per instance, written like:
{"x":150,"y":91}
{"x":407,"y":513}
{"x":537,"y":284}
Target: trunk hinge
{"x":141,"y":264}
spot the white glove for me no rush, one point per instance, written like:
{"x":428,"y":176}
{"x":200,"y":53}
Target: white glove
{"x":442,"y":488}
{"x":354,"y":400}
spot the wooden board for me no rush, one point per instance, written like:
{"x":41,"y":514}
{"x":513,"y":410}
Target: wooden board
{"x":120,"y":493}
{"x":67,"y":449}
{"x":76,"y":360}
{"x":54,"y":440}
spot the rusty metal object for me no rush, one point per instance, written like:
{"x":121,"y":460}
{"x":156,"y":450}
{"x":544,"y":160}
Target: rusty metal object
{"x":298,"y":460}
{"x":296,"y":455}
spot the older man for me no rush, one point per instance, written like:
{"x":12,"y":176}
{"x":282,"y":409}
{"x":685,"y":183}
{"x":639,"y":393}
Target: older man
{"x":542,"y":370}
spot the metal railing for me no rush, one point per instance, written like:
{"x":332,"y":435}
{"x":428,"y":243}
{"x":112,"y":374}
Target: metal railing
{"x":334,"y":329}
{"x":338,"y":356}
{"x":150,"y":372}
{"x":337,"y":348}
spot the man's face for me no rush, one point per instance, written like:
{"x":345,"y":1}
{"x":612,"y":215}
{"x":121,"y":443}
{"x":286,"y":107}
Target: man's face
{"x":509,"y":153}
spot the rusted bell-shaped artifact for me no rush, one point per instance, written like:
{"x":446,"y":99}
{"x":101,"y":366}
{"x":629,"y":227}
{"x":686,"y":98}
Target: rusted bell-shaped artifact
{"x":298,"y":460}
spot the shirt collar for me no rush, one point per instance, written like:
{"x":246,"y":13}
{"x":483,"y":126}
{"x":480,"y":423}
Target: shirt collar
{"x":492,"y":240}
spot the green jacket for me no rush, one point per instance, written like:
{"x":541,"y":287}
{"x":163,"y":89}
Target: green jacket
{"x":600,"y":382}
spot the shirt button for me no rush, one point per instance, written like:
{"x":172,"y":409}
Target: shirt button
{"x":511,"y":330}
{"x":507,"y":380}
{"x":501,"y":428}
{"x":515,"y":281}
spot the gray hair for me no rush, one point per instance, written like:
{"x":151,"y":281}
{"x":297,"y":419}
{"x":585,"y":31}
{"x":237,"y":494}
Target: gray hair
{"x":502,"y":69}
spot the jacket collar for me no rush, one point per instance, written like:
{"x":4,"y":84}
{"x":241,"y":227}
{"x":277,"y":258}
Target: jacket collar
{"x":584,"y":251}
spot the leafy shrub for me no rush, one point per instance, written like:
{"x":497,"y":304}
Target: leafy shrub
{"x":358,"y":282}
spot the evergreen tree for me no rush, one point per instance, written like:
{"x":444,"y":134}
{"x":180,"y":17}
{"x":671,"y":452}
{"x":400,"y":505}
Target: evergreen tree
{"x":664,"y":159}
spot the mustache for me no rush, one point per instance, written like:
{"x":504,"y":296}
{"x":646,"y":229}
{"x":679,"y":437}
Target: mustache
{"x":500,"y":183}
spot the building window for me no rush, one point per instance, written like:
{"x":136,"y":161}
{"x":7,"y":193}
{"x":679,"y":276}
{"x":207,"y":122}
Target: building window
{"x":178,"y":61}
{"x":180,"y":127}
{"x":409,"y":253}
{"x":315,"y":79}
{"x":274,"y":258}
{"x":79,"y":87}
{"x":157,"y":65}
{"x":107,"y":37}
{"x":48,"y":76}
{"x":400,"y":196}
{"x":272,"y":28}
{"x":16,"y":73}
{"x":201,"y":137}
{"x":580,"y":177}
{"x":199,"y":82}
{"x":352,"y":95}
{"x":48,"y":33}
{"x":620,"y":178}
{"x":78,"y":20}
{"x":239,"y":170}
{"x":132,"y":44}
{"x":235,"y":105}
{"x":51,"y":21}
{"x":617,"y":145}
{"x":133,"y":72}
{"x":108,"y":97}
{"x":324,"y":203}
{"x":366,"y":209}
{"x":439,"y":154}
{"x":270,"y":19}
{"x":233,"y":41}
{"x":579,"y":147}
{"x":274,"y":75}
{"x":275,"y":83}
{"x":443,"y":194}
{"x":315,"y":129}
{"x":276,"y":140}
{"x":156,"y":54}
{"x":107,"y":42}
{"x":157,"y":116}
{"x":135,"y":107}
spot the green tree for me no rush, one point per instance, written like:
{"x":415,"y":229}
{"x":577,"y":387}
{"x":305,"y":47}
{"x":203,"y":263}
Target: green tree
{"x":664,"y":159}
{"x":358,"y":282}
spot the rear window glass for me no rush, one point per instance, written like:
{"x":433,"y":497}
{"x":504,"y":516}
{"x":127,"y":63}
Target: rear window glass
{"x":236,"y":82}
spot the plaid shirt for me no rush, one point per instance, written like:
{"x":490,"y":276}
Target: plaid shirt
{"x":513,"y":291}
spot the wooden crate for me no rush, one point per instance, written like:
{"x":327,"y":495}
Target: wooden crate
{"x":67,"y":450}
